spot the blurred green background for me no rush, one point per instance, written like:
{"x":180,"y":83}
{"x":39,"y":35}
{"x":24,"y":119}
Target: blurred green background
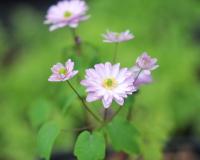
{"x":168,"y":30}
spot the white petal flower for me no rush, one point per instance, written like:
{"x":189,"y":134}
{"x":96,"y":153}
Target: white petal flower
{"x":62,"y":72}
{"x":108,"y":82}
{"x":141,"y":76}
{"x":146,"y":62}
{"x":66,"y":13}
{"x":114,"y":37}
{"x":142,"y":69}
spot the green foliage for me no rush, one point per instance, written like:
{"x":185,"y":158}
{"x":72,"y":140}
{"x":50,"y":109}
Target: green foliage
{"x":39,"y":112}
{"x":68,"y":102}
{"x":46,"y":138}
{"x":124,"y":136}
{"x":90,"y":146}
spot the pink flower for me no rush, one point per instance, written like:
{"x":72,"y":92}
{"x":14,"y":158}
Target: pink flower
{"x":141,"y":76}
{"x":62,"y":72}
{"x":108,"y":82}
{"x":66,"y":13}
{"x":142,"y":70}
{"x":114,"y":37}
{"x":146,"y":62}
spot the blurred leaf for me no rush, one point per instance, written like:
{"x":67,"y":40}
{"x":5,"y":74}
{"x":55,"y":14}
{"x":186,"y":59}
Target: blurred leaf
{"x":68,"y":103}
{"x":90,"y":146}
{"x":46,"y":138}
{"x":39,"y":112}
{"x":130,"y":100}
{"x":123,"y":135}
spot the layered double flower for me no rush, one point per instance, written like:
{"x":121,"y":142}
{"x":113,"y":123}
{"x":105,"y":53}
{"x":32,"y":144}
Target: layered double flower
{"x":62,"y":72}
{"x":66,"y":13}
{"x":108,"y":82}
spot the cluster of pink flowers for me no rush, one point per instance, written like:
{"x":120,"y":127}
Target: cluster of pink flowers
{"x":106,"y":82}
{"x":109,"y":82}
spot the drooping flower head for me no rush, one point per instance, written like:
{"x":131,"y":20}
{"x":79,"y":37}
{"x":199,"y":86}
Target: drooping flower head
{"x":108,"y":82}
{"x":62,"y":72}
{"x":141,"y":76}
{"x":66,"y":13}
{"x":142,"y":69}
{"x":114,"y":37}
{"x":146,"y":62}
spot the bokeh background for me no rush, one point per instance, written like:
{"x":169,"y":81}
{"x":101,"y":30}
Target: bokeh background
{"x":163,"y":111}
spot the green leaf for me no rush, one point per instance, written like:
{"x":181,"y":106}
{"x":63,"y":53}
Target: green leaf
{"x":124,"y":136}
{"x":90,"y":146}
{"x":68,"y":103}
{"x":46,"y":138}
{"x":39,"y":112}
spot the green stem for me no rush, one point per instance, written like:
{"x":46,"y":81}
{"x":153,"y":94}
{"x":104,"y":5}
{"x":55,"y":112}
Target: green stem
{"x":105,"y":114}
{"x":84,"y":104}
{"x":114,"y":115}
{"x":77,"y":41}
{"x":115,"y":52}
{"x":129,"y":115}
{"x":137,"y":76}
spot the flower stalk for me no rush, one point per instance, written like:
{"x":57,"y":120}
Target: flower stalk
{"x":105,"y":114}
{"x":115,"y":52}
{"x":77,"y":42}
{"x":83,"y":102}
{"x":130,"y":109}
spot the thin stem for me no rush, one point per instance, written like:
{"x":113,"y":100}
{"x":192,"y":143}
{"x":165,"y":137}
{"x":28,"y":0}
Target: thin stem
{"x":105,"y":114}
{"x":136,"y":78}
{"x":104,"y":123}
{"x":129,"y":115}
{"x":115,"y":52}
{"x":77,"y":41}
{"x":116,"y":113}
{"x":83,"y":102}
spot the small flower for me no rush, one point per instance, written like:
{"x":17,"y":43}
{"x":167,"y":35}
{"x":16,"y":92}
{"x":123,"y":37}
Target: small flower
{"x":146,"y":62}
{"x":108,"y":82}
{"x":142,"y":70}
{"x":62,"y":72}
{"x":66,"y":13}
{"x":114,"y":37}
{"x":141,"y":76}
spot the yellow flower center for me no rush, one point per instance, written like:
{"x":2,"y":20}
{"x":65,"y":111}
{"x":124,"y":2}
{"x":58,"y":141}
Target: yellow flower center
{"x":62,"y":71}
{"x":67,"y":14}
{"x":109,"y":83}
